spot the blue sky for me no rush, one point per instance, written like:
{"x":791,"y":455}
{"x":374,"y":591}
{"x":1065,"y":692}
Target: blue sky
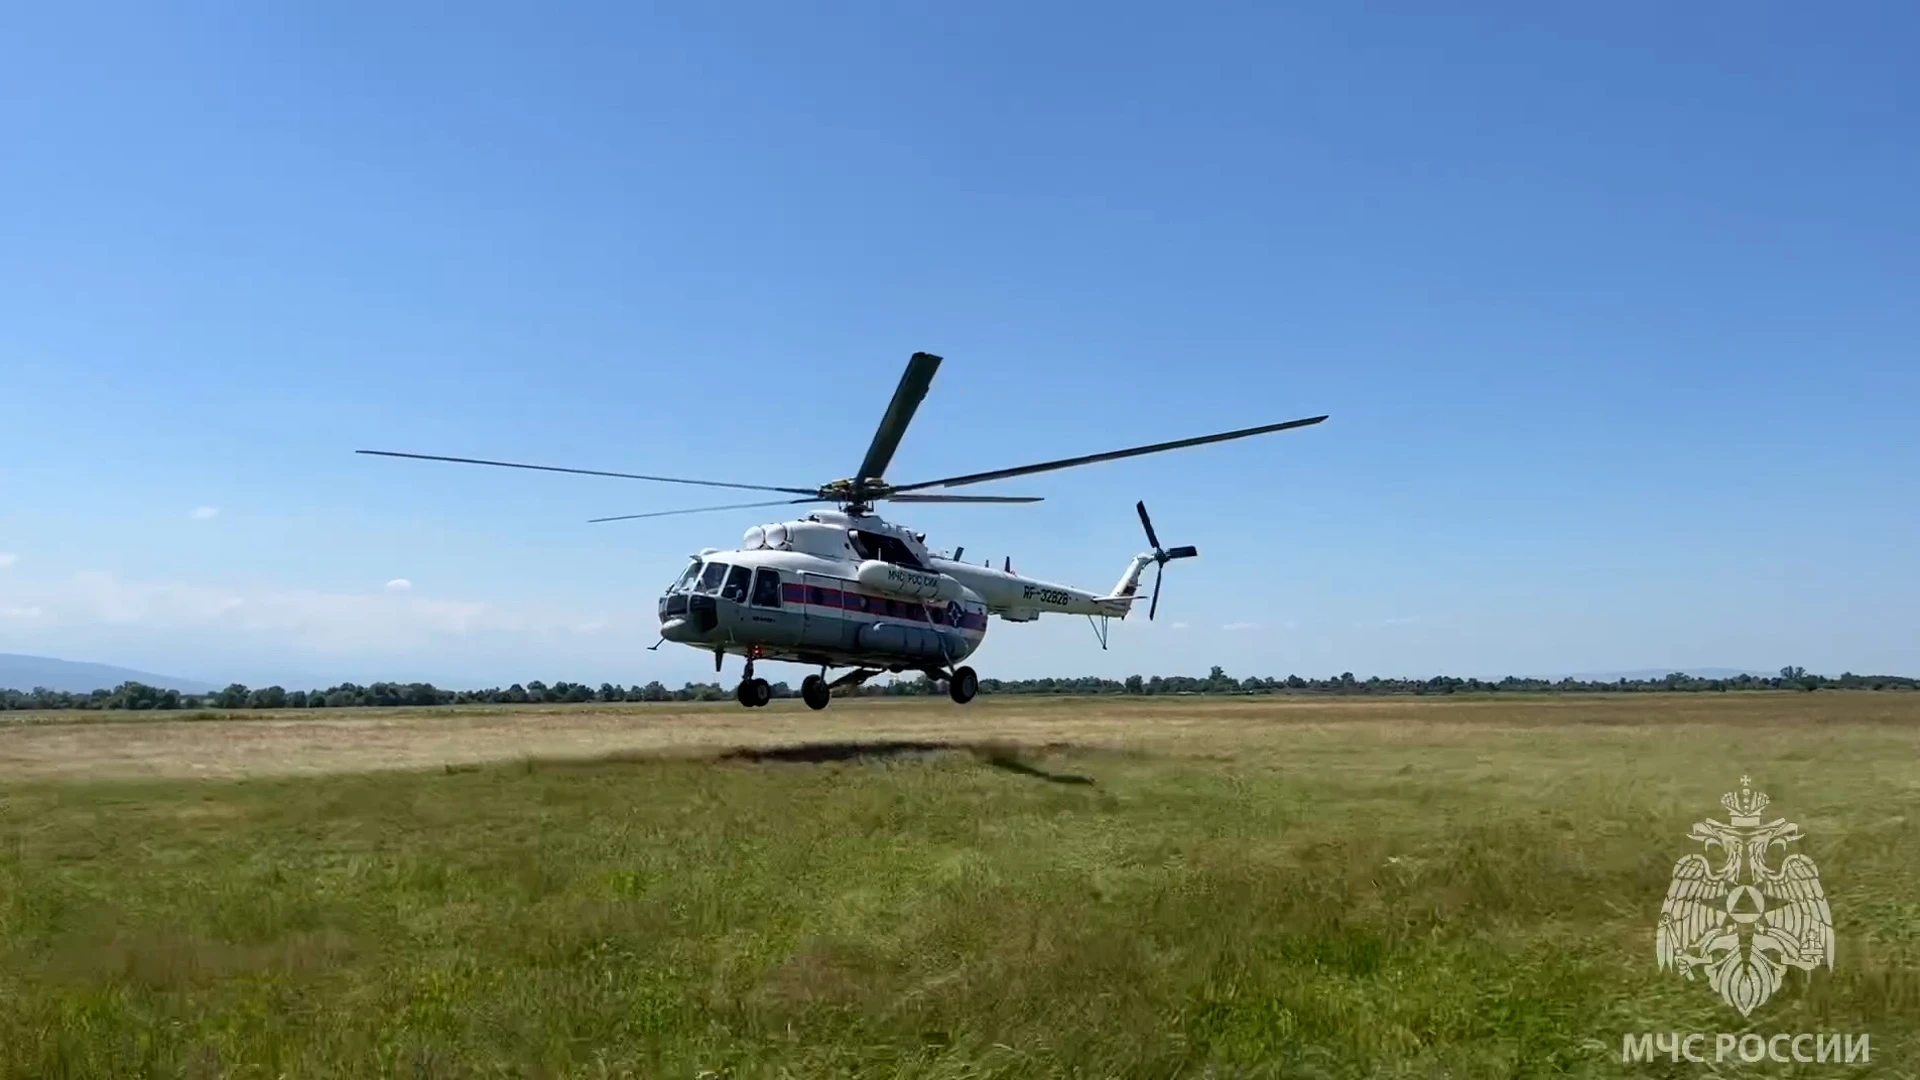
{"x":1612,"y":309}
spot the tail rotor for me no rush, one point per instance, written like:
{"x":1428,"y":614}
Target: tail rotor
{"x":1161,"y":556}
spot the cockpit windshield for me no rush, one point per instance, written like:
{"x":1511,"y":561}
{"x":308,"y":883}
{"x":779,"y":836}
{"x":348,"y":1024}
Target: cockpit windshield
{"x":686,"y":580}
{"x":712,"y":577}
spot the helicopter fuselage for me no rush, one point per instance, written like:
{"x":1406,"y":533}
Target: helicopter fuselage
{"x":845,"y":590}
{"x":789,"y":605}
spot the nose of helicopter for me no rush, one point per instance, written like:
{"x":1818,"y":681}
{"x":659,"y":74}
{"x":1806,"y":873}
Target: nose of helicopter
{"x":685,"y":618}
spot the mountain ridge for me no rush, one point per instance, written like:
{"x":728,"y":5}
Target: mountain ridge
{"x":1661,"y":673}
{"x":20,"y":671}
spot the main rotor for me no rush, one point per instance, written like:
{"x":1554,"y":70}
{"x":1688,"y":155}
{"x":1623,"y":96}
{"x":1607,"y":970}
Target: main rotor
{"x":857,"y":494}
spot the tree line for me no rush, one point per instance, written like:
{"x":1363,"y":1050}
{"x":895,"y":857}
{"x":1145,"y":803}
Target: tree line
{"x":138,"y":696}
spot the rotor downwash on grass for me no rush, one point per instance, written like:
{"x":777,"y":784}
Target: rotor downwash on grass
{"x":1078,"y":888}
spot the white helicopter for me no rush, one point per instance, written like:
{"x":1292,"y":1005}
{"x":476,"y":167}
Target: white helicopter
{"x":844,"y":589}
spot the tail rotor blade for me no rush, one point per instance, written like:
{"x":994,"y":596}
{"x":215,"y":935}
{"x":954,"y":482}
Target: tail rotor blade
{"x":1184,"y":551}
{"x":1155,"y":606}
{"x":1147,"y":523}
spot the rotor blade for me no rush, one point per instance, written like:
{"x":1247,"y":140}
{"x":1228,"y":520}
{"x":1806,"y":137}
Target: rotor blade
{"x":964,"y":498}
{"x":906,"y":399}
{"x":590,"y":472}
{"x":1148,"y":523}
{"x":1184,"y":551}
{"x":1158,"y":572}
{"x":704,"y":509}
{"x":1111,"y":455}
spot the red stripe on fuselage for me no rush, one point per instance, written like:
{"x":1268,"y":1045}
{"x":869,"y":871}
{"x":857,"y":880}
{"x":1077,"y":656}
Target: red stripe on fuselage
{"x":867,"y":603}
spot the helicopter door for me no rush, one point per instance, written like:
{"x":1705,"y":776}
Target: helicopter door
{"x":770,"y":620}
{"x":821,"y":626}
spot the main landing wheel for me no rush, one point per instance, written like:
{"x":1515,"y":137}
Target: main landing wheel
{"x":753,"y":693}
{"x":813,"y":691}
{"x":963,"y":685}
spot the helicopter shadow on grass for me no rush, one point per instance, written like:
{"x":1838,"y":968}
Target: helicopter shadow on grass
{"x":1001,"y":757}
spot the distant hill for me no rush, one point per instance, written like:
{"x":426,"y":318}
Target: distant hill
{"x":1661,"y":673}
{"x":23,"y":673}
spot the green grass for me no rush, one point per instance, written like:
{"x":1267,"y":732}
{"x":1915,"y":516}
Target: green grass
{"x":1448,"y":891}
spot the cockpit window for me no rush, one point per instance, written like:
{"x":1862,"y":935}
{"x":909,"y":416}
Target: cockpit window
{"x":710,"y":579}
{"x":766,"y":587}
{"x":737,"y":582}
{"x":687,"y":579}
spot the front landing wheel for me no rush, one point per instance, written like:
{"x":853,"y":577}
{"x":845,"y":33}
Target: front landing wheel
{"x":963,"y":685}
{"x":753,"y":693}
{"x":813,"y":691}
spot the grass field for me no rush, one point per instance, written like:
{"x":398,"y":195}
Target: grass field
{"x":1090,"y":888}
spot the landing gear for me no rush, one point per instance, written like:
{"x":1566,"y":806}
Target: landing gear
{"x":963,"y":685}
{"x":752,"y":692}
{"x":815,"y":692}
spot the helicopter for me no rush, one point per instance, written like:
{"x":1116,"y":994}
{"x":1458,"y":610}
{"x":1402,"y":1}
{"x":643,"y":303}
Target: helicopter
{"x":843,"y":588}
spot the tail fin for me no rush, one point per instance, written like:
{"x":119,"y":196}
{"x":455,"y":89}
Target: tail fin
{"x":1129,"y":583}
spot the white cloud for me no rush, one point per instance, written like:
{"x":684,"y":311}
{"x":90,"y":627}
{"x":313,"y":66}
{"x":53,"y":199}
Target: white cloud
{"x":1404,"y":620}
{"x":302,"y":619}
{"x":1241,"y":626}
{"x":1177,"y":626}
{"x":18,"y":611}
{"x":202,"y":513}
{"x":399,"y":584}
{"x":8,"y":558}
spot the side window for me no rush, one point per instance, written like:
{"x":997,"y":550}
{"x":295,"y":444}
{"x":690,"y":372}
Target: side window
{"x":710,"y":579}
{"x":737,"y":581}
{"x":766,"y":588}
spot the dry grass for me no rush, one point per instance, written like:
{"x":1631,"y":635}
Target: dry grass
{"x":128,"y":745}
{"x":1015,"y":888}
